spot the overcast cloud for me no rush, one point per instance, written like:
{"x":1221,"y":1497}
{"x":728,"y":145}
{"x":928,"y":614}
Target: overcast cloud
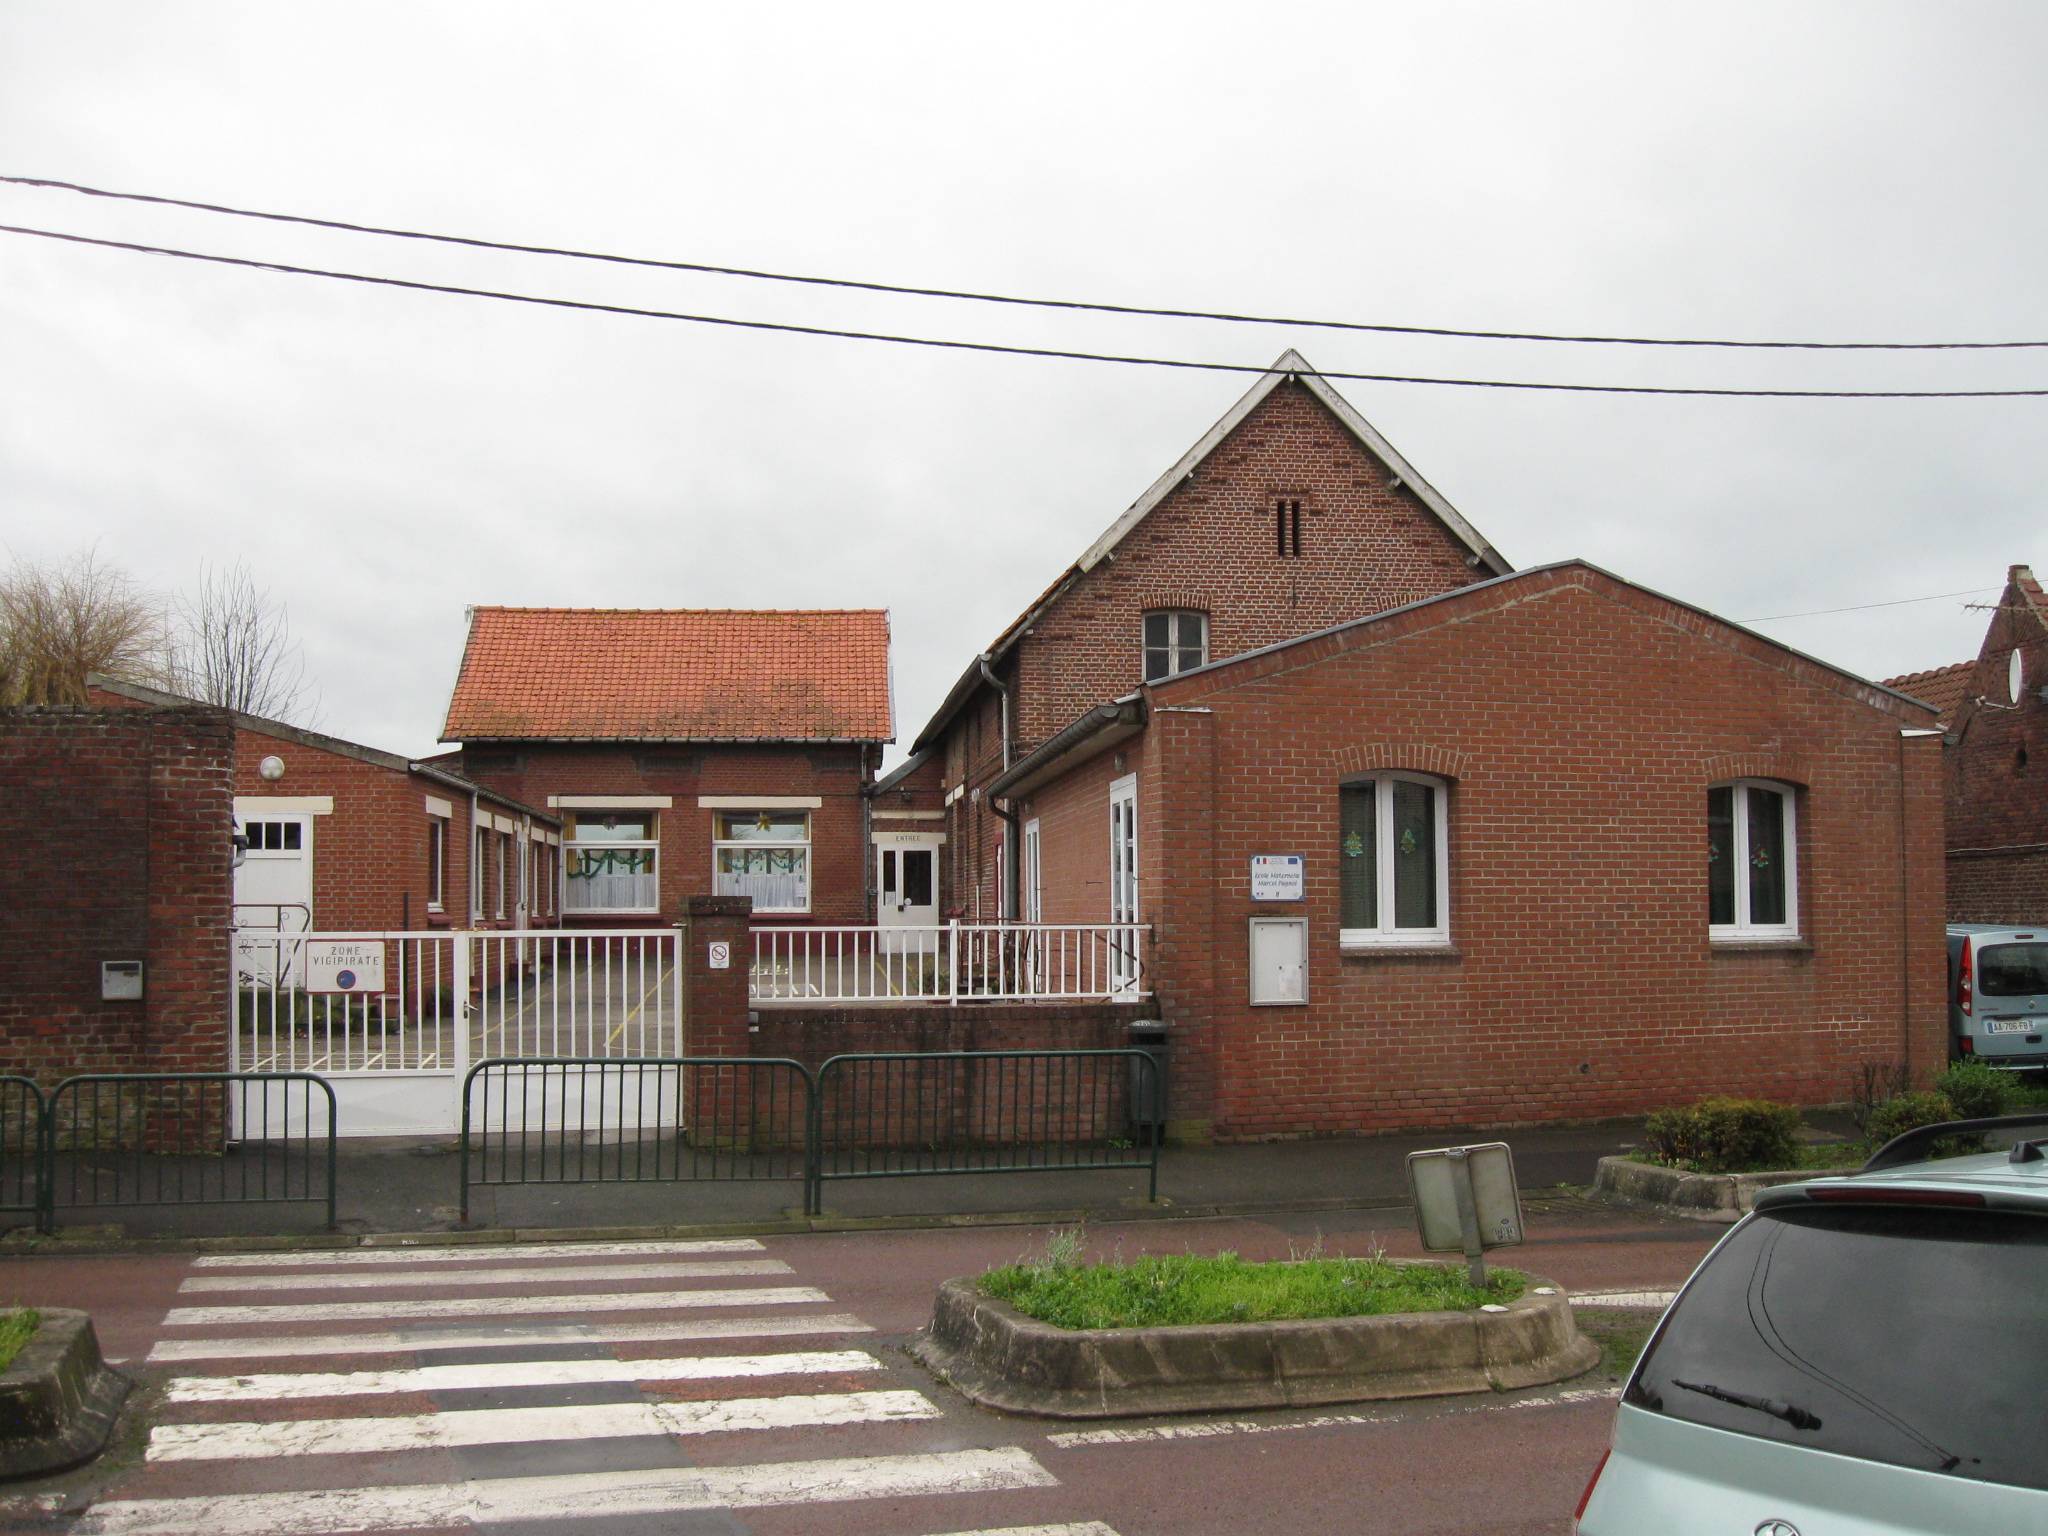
{"x":379,"y":458}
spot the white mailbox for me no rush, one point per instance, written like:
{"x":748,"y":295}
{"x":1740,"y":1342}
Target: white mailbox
{"x":120,"y":981}
{"x":1279,"y":960}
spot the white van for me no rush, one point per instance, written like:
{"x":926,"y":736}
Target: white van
{"x":1998,"y":994}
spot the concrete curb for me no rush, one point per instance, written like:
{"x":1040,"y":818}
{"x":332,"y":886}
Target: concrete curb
{"x":24,"y":1243}
{"x":58,"y":1398}
{"x":997,"y":1357}
{"x":1718,"y":1197}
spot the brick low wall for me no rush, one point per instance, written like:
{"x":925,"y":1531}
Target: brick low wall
{"x":811,"y":1034}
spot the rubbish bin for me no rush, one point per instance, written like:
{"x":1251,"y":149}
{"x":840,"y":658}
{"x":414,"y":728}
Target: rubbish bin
{"x":1147,"y":1090}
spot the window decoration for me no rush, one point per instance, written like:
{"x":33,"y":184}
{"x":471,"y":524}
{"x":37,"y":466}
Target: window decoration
{"x":611,"y":862}
{"x":1392,"y":861}
{"x":764,"y":854}
{"x":1176,"y":640}
{"x":1752,"y":861}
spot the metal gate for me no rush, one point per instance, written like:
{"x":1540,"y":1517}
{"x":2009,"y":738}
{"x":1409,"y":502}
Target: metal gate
{"x":393,"y":1020}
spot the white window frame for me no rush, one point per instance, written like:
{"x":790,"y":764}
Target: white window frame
{"x":1387,"y":935}
{"x":572,"y":850}
{"x":437,"y":863}
{"x":808,"y":843}
{"x":1173,"y":616}
{"x":1034,"y":895}
{"x":1742,"y":928}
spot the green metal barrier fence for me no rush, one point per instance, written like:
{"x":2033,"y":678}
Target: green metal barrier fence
{"x":893,"y":1116}
{"x":632,"y":1120}
{"x":22,"y":1112}
{"x":184,"y":1138}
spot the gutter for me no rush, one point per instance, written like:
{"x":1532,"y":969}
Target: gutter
{"x":1094,"y":732}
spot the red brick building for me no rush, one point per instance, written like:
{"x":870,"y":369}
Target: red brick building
{"x":119,"y":847}
{"x":346,"y":838}
{"x":688,"y":752}
{"x":1291,"y":514}
{"x":1544,"y":846}
{"x":1996,"y":712}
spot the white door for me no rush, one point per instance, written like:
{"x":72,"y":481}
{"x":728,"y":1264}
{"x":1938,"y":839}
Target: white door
{"x":907,"y":892}
{"x":1123,"y":880}
{"x":273,"y":894}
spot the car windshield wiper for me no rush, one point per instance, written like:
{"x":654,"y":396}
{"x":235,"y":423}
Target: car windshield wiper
{"x":1791,"y":1413}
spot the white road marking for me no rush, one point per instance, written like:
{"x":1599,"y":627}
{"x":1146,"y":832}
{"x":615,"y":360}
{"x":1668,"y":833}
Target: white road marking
{"x":511,"y":1373}
{"x":592,"y":1274}
{"x":1085,"y":1528}
{"x":1622,"y":1298}
{"x":308,"y":1346}
{"x":485,"y":1306}
{"x":470,"y":1253}
{"x":1067,"y":1442}
{"x":551,"y":1498}
{"x":515,"y":1426}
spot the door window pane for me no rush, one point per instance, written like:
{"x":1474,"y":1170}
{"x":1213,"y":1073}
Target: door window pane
{"x":1721,"y":855}
{"x":917,"y":877}
{"x":1414,"y":855}
{"x":1358,"y":870}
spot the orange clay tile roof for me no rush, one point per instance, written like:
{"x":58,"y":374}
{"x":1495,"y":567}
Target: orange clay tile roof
{"x":1944,"y":687}
{"x":691,"y":674}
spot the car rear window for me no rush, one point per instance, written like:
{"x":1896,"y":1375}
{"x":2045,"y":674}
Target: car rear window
{"x":2012,"y":970}
{"x":1917,"y":1337}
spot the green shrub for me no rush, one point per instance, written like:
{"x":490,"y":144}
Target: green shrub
{"x":1721,"y":1135}
{"x":1977,"y":1091}
{"x":1908,"y":1112}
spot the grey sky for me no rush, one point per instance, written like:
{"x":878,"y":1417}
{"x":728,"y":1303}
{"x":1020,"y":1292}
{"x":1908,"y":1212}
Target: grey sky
{"x":1859,"y":171}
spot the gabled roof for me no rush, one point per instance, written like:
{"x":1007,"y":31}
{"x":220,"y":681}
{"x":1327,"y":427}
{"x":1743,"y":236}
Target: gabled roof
{"x":673,"y":674}
{"x":1944,"y":687}
{"x":141,"y":693}
{"x":1508,"y":588}
{"x":1289,"y":366}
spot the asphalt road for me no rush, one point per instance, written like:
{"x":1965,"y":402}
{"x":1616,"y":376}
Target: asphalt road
{"x":758,"y":1387}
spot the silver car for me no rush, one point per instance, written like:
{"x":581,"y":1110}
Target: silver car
{"x":1861,"y":1356}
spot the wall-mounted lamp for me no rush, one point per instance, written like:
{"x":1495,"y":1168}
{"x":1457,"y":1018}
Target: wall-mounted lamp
{"x":271,"y":769}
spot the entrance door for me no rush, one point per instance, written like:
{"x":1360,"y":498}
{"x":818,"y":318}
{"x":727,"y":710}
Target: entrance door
{"x":907,"y":909}
{"x":273,"y":895}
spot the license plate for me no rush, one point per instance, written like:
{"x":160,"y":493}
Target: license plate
{"x":2012,"y":1026}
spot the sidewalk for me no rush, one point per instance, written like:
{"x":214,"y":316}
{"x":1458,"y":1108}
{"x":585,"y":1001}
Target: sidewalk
{"x":414,"y":1187}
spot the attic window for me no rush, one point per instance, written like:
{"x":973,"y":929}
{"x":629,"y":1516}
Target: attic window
{"x":1287,"y":529}
{"x":1176,"y":640}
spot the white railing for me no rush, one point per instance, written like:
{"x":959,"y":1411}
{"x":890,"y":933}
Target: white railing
{"x":950,"y":963}
{"x":436,"y":1002}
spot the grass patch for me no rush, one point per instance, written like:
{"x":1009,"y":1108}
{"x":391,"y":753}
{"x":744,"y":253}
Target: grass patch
{"x":1175,"y":1290}
{"x":1813,"y":1154}
{"x":17,"y":1327}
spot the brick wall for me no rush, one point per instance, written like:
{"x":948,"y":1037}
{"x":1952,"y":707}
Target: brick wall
{"x":841,"y":870}
{"x":117,"y":825}
{"x":1997,"y":771}
{"x":1578,"y":722}
{"x":1210,"y":545}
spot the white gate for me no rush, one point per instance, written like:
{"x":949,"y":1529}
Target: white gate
{"x":394,"y":1021}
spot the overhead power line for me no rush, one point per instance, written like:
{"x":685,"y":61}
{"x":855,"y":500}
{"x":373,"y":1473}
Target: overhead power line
{"x":1000,"y":298}
{"x":995,"y":347}
{"x":1897,"y":602}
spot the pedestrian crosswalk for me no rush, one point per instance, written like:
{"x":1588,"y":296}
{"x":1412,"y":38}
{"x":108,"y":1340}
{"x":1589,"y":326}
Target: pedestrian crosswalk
{"x":429,"y":1399}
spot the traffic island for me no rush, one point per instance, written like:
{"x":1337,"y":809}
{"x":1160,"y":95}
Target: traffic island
{"x":58,"y":1398}
{"x":1720,"y":1197}
{"x":997,"y":1357}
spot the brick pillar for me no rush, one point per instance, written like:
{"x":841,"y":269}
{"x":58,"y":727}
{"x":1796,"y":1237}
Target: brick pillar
{"x":1923,"y":983}
{"x":191,"y":891}
{"x":717,"y":1023}
{"x":1177,"y":854}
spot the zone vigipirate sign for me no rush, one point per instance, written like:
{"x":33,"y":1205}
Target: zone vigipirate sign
{"x":344,"y":965}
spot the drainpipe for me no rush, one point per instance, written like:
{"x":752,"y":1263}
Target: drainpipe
{"x":471,"y":863}
{"x":1012,"y":836}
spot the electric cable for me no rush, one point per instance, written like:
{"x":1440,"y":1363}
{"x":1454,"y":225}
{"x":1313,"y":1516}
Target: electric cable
{"x":999,"y":348}
{"x":998,"y":298}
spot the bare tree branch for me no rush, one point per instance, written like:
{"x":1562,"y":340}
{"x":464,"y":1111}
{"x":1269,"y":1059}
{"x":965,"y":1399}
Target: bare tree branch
{"x":233,"y":647}
{"x":63,"y":619}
